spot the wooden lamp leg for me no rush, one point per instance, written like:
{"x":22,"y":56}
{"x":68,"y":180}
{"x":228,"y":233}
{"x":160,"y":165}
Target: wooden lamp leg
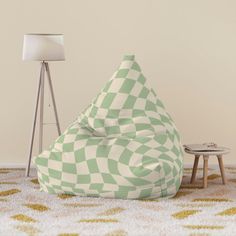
{"x":53,"y":97}
{"x":41,"y":77}
{"x":222,"y":171}
{"x":195,"y":165}
{"x":205,"y":170}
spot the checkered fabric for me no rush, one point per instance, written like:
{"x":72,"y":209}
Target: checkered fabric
{"x":124,"y":145}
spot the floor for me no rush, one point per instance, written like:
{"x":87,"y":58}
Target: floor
{"x":24,"y":210}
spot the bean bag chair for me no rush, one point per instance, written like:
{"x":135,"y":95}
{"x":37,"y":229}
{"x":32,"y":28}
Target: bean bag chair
{"x":123,"y":145}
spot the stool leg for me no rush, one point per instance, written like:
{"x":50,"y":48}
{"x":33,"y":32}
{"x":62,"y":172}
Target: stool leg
{"x":195,"y":165}
{"x":205,"y":170}
{"x":222,"y":170}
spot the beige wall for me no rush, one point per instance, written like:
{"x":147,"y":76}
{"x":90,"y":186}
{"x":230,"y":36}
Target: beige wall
{"x":187,"y":50}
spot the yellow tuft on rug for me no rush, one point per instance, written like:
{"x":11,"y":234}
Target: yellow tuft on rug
{"x":26,"y":211}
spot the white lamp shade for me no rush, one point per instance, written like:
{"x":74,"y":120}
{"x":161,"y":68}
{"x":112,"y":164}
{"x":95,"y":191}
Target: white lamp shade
{"x":43,"y":47}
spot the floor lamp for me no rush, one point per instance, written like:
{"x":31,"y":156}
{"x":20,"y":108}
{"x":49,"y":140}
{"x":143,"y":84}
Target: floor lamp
{"x":43,"y":48}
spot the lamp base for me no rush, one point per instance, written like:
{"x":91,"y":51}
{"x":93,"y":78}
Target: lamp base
{"x":40,"y":100}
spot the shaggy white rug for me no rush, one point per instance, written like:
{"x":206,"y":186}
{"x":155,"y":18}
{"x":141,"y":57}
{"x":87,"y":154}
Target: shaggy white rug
{"x":24,"y":210}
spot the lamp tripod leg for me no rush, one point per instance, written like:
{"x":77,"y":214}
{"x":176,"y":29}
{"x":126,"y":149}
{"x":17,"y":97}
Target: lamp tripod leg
{"x":41,"y":111}
{"x":53,"y":98}
{"x":35,"y":119}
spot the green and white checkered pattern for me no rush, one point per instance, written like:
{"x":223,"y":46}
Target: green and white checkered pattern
{"x":124,"y":145}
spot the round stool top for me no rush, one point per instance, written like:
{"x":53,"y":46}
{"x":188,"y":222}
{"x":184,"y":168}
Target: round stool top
{"x":224,"y":150}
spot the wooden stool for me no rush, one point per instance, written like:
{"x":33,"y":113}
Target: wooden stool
{"x":206,"y":155}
